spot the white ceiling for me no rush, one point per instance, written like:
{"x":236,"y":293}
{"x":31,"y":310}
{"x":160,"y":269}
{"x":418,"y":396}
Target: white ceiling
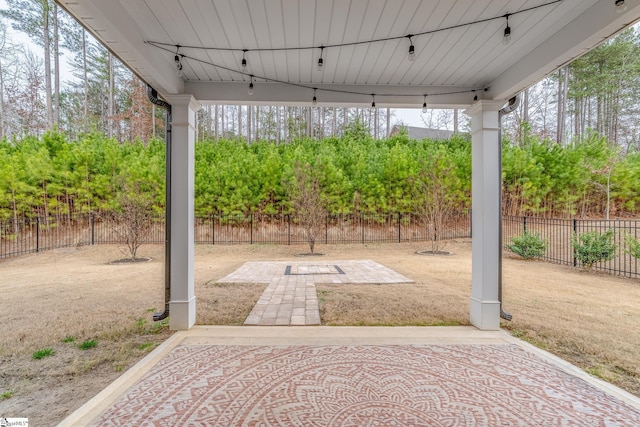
{"x":453,"y":61}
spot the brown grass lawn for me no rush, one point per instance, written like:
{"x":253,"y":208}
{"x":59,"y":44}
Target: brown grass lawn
{"x":61,"y":298}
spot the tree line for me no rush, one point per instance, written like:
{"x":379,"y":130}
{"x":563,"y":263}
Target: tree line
{"x":51,"y":176}
{"x":598,"y":92}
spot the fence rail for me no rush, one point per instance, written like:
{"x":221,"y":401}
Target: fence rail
{"x":39,"y":234}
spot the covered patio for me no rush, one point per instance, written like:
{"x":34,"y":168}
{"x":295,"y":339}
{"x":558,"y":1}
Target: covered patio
{"x":473,"y":55}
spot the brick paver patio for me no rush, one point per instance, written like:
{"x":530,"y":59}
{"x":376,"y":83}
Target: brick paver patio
{"x":291,"y":299}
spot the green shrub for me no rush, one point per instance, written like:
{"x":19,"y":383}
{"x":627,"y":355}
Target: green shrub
{"x":593,"y":247}
{"x":528,"y":245}
{"x":633,"y":246}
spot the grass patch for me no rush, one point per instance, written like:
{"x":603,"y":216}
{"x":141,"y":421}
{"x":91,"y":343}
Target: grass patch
{"x":157,"y":327}
{"x":41,"y":354}
{"x":145,"y":327}
{"x":146,"y":345}
{"x":226,"y":303}
{"x":86,"y":345}
{"x":447,"y":323}
{"x":406,"y":304}
{"x":603,"y":373}
{"x":68,"y":339}
{"x":6,"y":395}
{"x":528,"y":336}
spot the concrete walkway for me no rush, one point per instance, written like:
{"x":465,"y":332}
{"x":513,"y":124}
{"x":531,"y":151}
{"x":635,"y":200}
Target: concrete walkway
{"x":354,"y":376}
{"x":291,"y":298}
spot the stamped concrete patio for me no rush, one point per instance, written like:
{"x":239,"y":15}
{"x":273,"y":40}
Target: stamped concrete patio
{"x":354,"y":376}
{"x":349,"y":376}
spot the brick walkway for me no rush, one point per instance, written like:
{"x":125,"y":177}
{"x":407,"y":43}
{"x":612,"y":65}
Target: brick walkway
{"x":291,"y":299}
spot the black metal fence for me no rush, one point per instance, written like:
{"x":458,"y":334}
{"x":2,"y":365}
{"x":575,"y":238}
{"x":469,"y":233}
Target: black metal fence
{"x":558,"y":234}
{"x":347,"y":228}
{"x":24,"y":236}
{"x":35,"y":235}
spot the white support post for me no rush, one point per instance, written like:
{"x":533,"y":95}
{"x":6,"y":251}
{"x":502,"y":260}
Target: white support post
{"x":183,"y":136}
{"x":485,"y":220}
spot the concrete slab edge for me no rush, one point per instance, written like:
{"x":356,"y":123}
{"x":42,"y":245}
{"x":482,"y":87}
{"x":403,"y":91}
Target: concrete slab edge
{"x":88,"y":412}
{"x":575,"y":371}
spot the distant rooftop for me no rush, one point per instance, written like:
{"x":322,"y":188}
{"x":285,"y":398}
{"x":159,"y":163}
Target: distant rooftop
{"x":423,"y":133}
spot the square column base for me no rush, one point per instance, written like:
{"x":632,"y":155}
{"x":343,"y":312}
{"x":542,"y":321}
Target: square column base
{"x":183,"y":314}
{"x":485,"y":315}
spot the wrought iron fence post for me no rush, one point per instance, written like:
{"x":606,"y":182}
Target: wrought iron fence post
{"x":362,"y":223}
{"x":213,"y":229}
{"x":524,"y":224}
{"x":92,"y":221}
{"x":399,"y":227}
{"x":326,"y":229}
{"x":251,"y":229}
{"x":289,"y":229}
{"x":575,"y":233}
{"x":37,"y":234}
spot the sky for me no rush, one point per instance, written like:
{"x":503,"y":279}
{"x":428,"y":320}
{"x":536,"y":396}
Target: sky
{"x":409,"y":116}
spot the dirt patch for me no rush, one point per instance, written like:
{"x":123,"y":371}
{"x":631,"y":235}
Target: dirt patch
{"x":126,"y":261}
{"x":434,"y":253}
{"x":589,"y":319}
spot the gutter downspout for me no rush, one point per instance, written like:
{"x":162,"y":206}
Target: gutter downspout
{"x":511,"y":106}
{"x":153,"y":98}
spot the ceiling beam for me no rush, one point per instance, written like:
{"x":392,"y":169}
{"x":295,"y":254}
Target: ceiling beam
{"x":330,"y":95}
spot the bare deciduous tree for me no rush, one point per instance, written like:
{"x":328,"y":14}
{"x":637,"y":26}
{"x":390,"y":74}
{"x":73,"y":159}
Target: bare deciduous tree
{"x":134,"y":218}
{"x":305,"y":193}
{"x":436,"y":200}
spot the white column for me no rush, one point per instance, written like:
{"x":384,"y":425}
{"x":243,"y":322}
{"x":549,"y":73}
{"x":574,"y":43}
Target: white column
{"x":183,"y":136}
{"x":485,"y":221}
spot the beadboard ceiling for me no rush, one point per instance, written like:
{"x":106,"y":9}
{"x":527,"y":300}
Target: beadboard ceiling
{"x":450,"y":64}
